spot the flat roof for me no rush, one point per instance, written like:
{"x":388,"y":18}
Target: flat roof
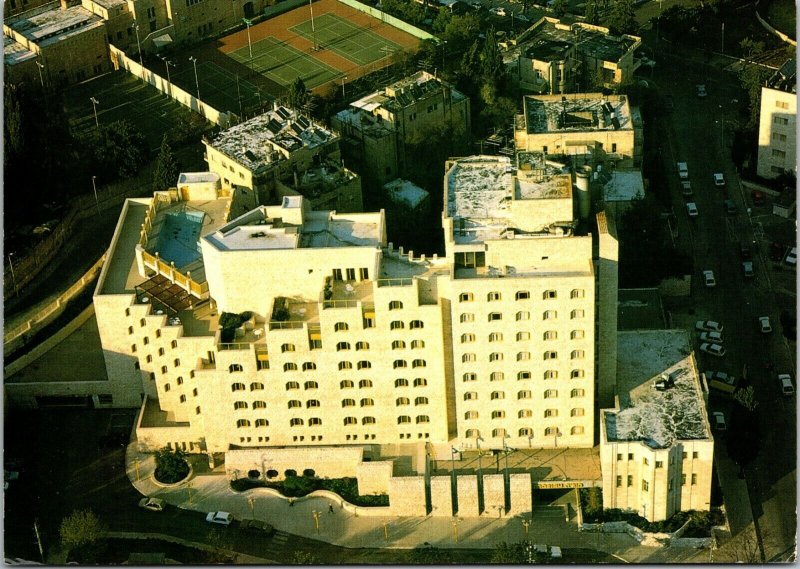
{"x":622,"y":185}
{"x":405,"y":192}
{"x":198,"y":177}
{"x":268,"y":138}
{"x":54,"y":25}
{"x":480,"y":187}
{"x":14,"y":52}
{"x":657,"y":418}
{"x":579,"y":112}
{"x":549,"y":39}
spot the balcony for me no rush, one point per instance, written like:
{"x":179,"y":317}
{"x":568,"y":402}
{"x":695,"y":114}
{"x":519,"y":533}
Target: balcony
{"x":348,"y":294}
{"x":288,"y":314}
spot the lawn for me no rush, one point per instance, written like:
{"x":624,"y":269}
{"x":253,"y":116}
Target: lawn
{"x":120,"y":95}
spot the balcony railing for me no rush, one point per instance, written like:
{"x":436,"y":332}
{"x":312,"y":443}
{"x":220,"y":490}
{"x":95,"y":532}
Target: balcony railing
{"x":395,"y":282}
{"x":277,"y":325}
{"x":235,"y":346}
{"x":339,"y":304}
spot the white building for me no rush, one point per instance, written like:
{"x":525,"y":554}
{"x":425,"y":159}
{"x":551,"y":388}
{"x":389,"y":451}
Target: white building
{"x":777,"y":136}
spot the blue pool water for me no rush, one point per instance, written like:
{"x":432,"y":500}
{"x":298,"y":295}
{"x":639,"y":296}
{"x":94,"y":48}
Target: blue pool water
{"x":178,"y":240}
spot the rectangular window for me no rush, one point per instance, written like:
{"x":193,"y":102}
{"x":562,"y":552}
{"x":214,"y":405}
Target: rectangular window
{"x":337,"y":274}
{"x":630,"y":481}
{"x":659,"y":464}
{"x":780,"y":120}
{"x":781,"y":104}
{"x":364,"y":274}
{"x":694,"y":479}
{"x":683,"y":479}
{"x":619,"y":456}
{"x":619,"y":481}
{"x":645,"y":461}
{"x":695,"y":454}
{"x":613,"y":148}
{"x":779,"y":137}
{"x":645,"y":486}
{"x":778,"y":153}
{"x":630,"y":456}
{"x":351,"y":274}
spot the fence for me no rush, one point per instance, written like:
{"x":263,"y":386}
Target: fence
{"x":121,"y":61}
{"x":16,"y":338}
{"x":383,"y":16}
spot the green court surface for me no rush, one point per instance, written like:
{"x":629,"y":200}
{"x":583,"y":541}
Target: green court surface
{"x":223,"y":90}
{"x":120,"y":95}
{"x":352,"y":42}
{"x":283,"y":63}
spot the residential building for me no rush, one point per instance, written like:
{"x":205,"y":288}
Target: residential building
{"x":68,"y":42}
{"x":777,"y":136}
{"x":408,"y":195}
{"x":585,"y":127}
{"x":282,"y":152}
{"x":377,"y":129}
{"x":656,"y":446}
{"x":552,"y":57}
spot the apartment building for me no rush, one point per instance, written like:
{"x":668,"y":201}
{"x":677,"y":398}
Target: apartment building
{"x":377,"y":128}
{"x":282,"y":152}
{"x":585,"y":127}
{"x":552,"y":57}
{"x":67,"y":44}
{"x":656,"y":446}
{"x":777,"y":136}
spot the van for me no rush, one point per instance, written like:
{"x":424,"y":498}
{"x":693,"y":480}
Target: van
{"x":721,"y":382}
{"x":683,"y":170}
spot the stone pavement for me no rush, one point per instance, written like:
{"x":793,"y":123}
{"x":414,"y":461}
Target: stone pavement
{"x":210,"y":491}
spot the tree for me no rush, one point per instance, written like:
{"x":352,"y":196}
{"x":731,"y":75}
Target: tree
{"x":591,"y":12}
{"x":622,"y":19}
{"x":559,"y":8}
{"x":171,"y":465}
{"x":304,"y":558}
{"x":443,"y":18}
{"x":298,"y":94}
{"x":80,"y":528}
{"x":461,"y":31}
{"x":500,"y":113}
{"x":120,"y":150}
{"x":165,"y":174}
{"x":492,"y":67}
{"x":514,"y":553}
{"x":752,"y":78}
{"x":751,"y":47}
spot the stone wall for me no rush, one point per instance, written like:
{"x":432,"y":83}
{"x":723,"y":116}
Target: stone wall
{"x":326,"y":462}
{"x":441,"y":497}
{"x":493,"y":493}
{"x":374,"y":477}
{"x":468,"y":502}
{"x":407,"y":496}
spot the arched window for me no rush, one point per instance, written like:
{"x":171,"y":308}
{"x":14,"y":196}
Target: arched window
{"x":523,"y":356}
{"x":309,"y":366}
{"x":289,"y":366}
{"x":524,"y":394}
{"x":367,"y":402}
{"x":294,"y":404}
{"x":398,"y":345}
{"x":468,"y":358}
{"x":237,"y":387}
{"x":523,"y":315}
{"x":576,"y":293}
{"x":180,"y":381}
{"x":345,"y":365}
{"x":402,"y":419}
{"x":420,"y":382}
{"x":498,"y":414}
{"x":350,"y":421}
{"x":399,"y":364}
{"x":550,"y":413}
{"x":577,"y":355}
{"x":576,"y":431}
{"x":551,"y":394}
{"x":314,"y":422}
{"x":467,"y":338}
{"x":402,"y":401}
{"x":523,"y":336}
{"x":493,"y":296}
{"x":348,"y":402}
{"x":368,"y":421}
{"x":160,"y":351}
{"x":259,"y":404}
{"x":576,"y":412}
{"x":550,"y":355}
{"x":465,"y":297}
{"x":470,"y":415}
{"x":242,"y":423}
{"x":576,"y":374}
{"x":549,"y":294}
{"x":341,"y":327}
{"x":256,"y":386}
{"x":577,"y":314}
{"x":551,"y":431}
{"x":346,"y":384}
{"x":163,"y":369}
{"x":549,"y":315}
{"x":472,"y":433}
{"x":525,"y":414}
{"x":550,"y":335}
{"x":401,"y":382}
{"x":396,"y":325}
{"x":312,"y":403}
{"x":310,"y":385}
{"x":142,"y":322}
{"x":234,"y":368}
{"x":395,"y":305}
{"x":173,"y":344}
{"x":495,"y":337}
{"x":470,"y":395}
{"x":167,"y":387}
{"x":494,"y":316}
{"x":499,"y":433}
{"x":522,"y":295}
{"x":467,"y":317}
{"x":418,"y":363}
{"x":577,"y":393}
{"x":417,"y":344}
{"x":362,"y":346}
{"x":523,"y":375}
{"x":292,"y":385}
{"x":422,"y":419}
{"x":498,"y":395}
{"x":421,"y":401}
{"x":262,"y":423}
{"x":497,"y":376}
{"x":363,"y":364}
{"x":416,"y":325}
{"x":295,"y":422}
{"x":576,"y":335}
{"x":551,"y":374}
{"x":287,"y":348}
{"x":470,"y":377}
{"x":365,"y":383}
{"x":342,"y":346}
{"x":526,"y":432}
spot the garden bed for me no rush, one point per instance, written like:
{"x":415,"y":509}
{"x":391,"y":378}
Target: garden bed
{"x":299,"y":486}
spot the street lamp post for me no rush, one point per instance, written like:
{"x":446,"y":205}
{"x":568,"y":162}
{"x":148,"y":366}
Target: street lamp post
{"x":189,"y":491}
{"x":196,"y":81}
{"x":455,"y":528}
{"x":95,"y":102}
{"x":252,"y":503}
{"x":386,"y":531}
{"x":167,"y":64}
{"x":249,"y":23}
{"x":136,"y":466}
{"x":723,"y":38}
{"x":13,"y":276}
{"x":343,"y":79}
{"x":94,"y":188}
{"x":316,"y":516}
{"x":313,"y":28}
{"x":138,"y":45}
{"x":41,"y":77}
{"x":526,"y":524}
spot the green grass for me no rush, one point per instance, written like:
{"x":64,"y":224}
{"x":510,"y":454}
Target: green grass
{"x":122,"y":96}
{"x":219,"y":88}
{"x":352,"y":42}
{"x":283,"y":64}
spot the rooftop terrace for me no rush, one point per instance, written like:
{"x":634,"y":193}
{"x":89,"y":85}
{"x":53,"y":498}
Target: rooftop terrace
{"x":576,"y":113}
{"x":14,"y":52}
{"x":659,"y":418}
{"x":54,"y":24}
{"x":550,"y":40}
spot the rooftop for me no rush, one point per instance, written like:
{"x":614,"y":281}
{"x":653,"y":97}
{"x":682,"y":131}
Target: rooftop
{"x":581,"y":112}
{"x":406,"y":193}
{"x":269,"y":138}
{"x":785,"y":78}
{"x":324,"y":178}
{"x":481,"y":188}
{"x":539,"y":178}
{"x":14,"y":52}
{"x":548,"y":39}
{"x":658,"y":418}
{"x":198,"y":177}
{"x":54,"y":24}
{"x":622,"y":185}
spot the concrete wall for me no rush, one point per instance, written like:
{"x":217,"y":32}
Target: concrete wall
{"x":326,"y":462}
{"x":521,"y":494}
{"x":407,"y":496}
{"x":777,"y":136}
{"x":468,"y":503}
{"x":374,"y":477}
{"x":494,"y":494}
{"x":441,"y":496}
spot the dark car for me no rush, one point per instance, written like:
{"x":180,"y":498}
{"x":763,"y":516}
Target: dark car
{"x":730,"y":207}
{"x":257,"y":526}
{"x":759,"y":198}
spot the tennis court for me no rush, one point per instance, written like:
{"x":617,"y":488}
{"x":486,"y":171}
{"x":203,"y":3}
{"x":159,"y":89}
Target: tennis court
{"x":222,"y":89}
{"x":283,"y":63}
{"x":352,"y":42}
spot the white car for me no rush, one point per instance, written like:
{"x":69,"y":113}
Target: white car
{"x":691,"y":209}
{"x":152,"y":504}
{"x":764,"y":324}
{"x":683,"y":170}
{"x":701,"y":90}
{"x":718,"y":421}
{"x":708,"y":326}
{"x":791,"y":257}
{"x":498,"y":11}
{"x":708,"y":279}
{"x":712,"y":349}
{"x":222,"y":518}
{"x":785,"y":380}
{"x":719,"y":179}
{"x":686,"y":188}
{"x":713,"y":337}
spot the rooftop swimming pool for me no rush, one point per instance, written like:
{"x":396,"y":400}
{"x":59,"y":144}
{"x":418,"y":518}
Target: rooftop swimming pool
{"x":179,"y":238}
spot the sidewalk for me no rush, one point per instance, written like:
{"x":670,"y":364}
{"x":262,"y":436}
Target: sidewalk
{"x":208,"y":492}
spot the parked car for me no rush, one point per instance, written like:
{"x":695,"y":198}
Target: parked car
{"x":222,"y":518}
{"x":747,"y":269}
{"x":759,"y":198}
{"x":718,"y":421}
{"x":708,"y":279}
{"x":712,"y":349}
{"x":777,"y":251}
{"x":730,"y":207}
{"x":683,"y":170}
{"x":714,"y":337}
{"x":719,"y":179}
{"x":708,"y":326}
{"x":691,"y":209}
{"x":257,"y":526}
{"x":701,"y":91}
{"x":764,"y":324}
{"x":791,"y":257}
{"x":785,"y":381}
{"x":686,"y":188}
{"x":152,"y":504}
{"x":721,"y":381}
{"x":745,"y":252}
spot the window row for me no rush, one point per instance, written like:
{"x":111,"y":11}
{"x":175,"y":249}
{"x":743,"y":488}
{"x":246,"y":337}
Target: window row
{"x":400,"y":344}
{"x":519,"y":295}
{"x":522,"y":336}
{"x":523,"y":432}
{"x":524,"y":375}
{"x":524,"y":414}
{"x":400,"y":325}
{"x":522,"y":356}
{"x":523,"y":315}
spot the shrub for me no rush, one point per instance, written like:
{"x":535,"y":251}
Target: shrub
{"x":309,"y":472}
{"x":290,"y":472}
{"x":171,"y":466}
{"x":272,"y":473}
{"x":297,"y":486}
